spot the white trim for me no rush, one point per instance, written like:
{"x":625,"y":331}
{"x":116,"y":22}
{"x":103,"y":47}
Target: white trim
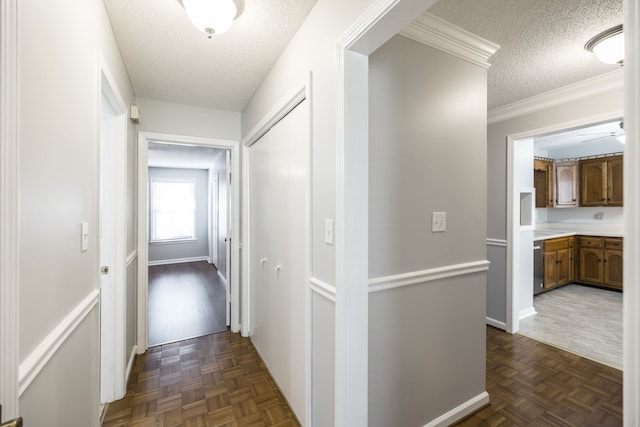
{"x":598,"y":85}
{"x":322,"y":288}
{"x":461,"y":411}
{"x":416,"y":277}
{"x":442,"y":35}
{"x":40,"y":356}
{"x":131,"y":257}
{"x":223,"y":280}
{"x":496,"y":323}
{"x":143,"y":248}
{"x":631,"y":300}
{"x":527,"y":312}
{"x":497,"y":242}
{"x":132,"y":358}
{"x":179,"y":260}
{"x":277,"y":113}
{"x":9,"y":206}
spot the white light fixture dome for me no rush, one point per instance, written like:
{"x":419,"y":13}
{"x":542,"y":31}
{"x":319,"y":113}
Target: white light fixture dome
{"x":608,"y":46}
{"x":212,"y":16}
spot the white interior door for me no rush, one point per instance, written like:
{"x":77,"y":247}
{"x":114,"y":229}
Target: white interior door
{"x":229,"y":233}
{"x":213,"y":239}
{"x":112,"y":245}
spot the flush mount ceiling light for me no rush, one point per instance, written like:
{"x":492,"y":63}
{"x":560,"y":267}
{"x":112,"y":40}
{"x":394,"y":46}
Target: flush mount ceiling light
{"x":608,"y":46}
{"x":212,"y":16}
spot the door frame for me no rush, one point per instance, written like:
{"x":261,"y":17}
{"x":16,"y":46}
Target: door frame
{"x":214,"y":231}
{"x":9,"y":206}
{"x":513,"y":207}
{"x":143,"y":226}
{"x":113,"y":301}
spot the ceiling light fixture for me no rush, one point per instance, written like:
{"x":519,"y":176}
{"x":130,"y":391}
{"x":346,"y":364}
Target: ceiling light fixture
{"x":608,"y":46}
{"x":212,"y":16}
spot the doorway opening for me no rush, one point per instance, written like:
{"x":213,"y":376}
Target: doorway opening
{"x":186,"y":252}
{"x":567,"y":250}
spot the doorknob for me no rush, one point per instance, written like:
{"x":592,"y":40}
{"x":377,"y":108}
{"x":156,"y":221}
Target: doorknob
{"x":103,"y":270}
{"x":17,"y":422}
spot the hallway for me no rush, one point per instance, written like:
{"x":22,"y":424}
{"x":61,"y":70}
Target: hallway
{"x":220,"y":380}
{"x":186,"y":300}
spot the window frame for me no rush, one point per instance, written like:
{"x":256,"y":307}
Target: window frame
{"x":152,"y":221}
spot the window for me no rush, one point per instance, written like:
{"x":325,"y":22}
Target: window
{"x":173,"y":209}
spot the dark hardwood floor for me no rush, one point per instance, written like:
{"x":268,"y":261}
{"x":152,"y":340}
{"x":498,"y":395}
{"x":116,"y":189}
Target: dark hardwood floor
{"x":215,"y":380}
{"x":185,"y":300}
{"x":534,"y":384}
{"x":219,"y":380}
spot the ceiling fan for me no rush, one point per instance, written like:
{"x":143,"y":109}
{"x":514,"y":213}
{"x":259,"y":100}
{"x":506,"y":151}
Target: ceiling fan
{"x":619,"y":134}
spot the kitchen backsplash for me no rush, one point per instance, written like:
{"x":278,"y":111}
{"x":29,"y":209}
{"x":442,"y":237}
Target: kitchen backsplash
{"x":580,"y":215}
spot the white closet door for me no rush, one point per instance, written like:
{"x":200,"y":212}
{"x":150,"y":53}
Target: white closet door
{"x":260,"y":264}
{"x":279,"y":233}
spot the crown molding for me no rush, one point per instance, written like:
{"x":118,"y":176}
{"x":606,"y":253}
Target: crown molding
{"x":597,"y":85}
{"x":442,"y":35}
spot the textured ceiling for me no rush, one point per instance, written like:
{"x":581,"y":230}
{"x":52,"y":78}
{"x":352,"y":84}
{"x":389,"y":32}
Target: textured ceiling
{"x":168,"y":59}
{"x":541,"y":41}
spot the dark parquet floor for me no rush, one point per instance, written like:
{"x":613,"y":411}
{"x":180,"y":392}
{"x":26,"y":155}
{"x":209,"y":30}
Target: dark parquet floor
{"x":219,"y":380}
{"x":533,"y":384}
{"x":186,"y":300}
{"x":215,"y":380}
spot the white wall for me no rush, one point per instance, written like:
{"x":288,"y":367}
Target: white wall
{"x":187,"y":120}
{"x":313,"y":49}
{"x":591,"y":106}
{"x":427,"y":151}
{"x":60,"y":48}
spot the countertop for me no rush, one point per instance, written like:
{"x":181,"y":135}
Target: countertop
{"x":558,"y":230}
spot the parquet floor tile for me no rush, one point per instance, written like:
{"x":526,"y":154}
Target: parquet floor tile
{"x":214,"y":380}
{"x":533,"y":384}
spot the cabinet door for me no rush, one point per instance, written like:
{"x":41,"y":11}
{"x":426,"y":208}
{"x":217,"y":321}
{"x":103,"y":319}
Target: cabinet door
{"x":572,"y":264}
{"x":566,"y":184}
{"x":614,"y":181}
{"x":540,"y":184}
{"x":591,"y":265}
{"x":562,"y":266}
{"x":550,"y":269}
{"x":592,"y":184}
{"x":613,"y":268}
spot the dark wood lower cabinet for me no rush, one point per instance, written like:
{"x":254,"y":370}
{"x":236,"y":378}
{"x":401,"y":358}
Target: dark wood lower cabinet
{"x":598,"y":262}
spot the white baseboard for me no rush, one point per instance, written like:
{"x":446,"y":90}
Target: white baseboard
{"x":222,"y":279}
{"x":496,"y":323}
{"x":461,"y":411}
{"x":179,"y":260}
{"x":527,"y":312}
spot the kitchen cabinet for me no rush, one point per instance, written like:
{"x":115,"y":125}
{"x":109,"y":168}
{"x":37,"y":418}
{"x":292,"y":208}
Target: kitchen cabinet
{"x":566,"y":184}
{"x":601,"y":181}
{"x":543,"y":182}
{"x":558,"y":262}
{"x":600,"y":261}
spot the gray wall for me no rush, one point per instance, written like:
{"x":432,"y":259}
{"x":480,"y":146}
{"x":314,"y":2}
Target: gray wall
{"x":59,"y":182}
{"x":200,"y":248}
{"x":497,"y":134}
{"x":427,"y":153}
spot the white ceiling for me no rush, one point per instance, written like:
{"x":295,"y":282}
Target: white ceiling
{"x":596,"y":139}
{"x":168,"y":59}
{"x":541,"y":41}
{"x":164,"y":155}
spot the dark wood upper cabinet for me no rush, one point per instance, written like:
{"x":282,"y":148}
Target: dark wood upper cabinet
{"x":601,"y":181}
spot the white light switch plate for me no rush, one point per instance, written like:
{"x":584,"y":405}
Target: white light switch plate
{"x":328,"y":231}
{"x":84,"y":236}
{"x":438,"y":222}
